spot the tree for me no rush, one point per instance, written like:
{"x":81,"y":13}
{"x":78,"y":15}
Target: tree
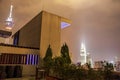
{"x":48,"y":61}
{"x":65,"y":53}
{"x":108,"y":68}
{"x":48,"y":55}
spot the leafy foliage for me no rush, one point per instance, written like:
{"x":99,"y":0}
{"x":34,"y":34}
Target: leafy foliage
{"x":48,"y":61}
{"x":108,"y":67}
{"x":65,"y":53}
{"x":62,"y":68}
{"x":48,"y":55}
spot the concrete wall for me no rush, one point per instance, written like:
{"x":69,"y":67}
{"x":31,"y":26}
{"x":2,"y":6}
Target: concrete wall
{"x":29,"y":35}
{"x":43,"y":30}
{"x":28,"y":70}
{"x":2,"y":40}
{"x":6,"y":40}
{"x":50,"y":33}
{"x":16,"y":50}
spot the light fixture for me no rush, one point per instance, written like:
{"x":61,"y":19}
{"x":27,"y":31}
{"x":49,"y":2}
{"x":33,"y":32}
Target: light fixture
{"x":65,"y":23}
{"x":9,"y":23}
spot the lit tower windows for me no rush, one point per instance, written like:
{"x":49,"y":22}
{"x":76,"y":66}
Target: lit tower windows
{"x":83,"y":54}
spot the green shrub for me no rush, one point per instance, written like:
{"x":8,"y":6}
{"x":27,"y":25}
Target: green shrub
{"x":62,"y":68}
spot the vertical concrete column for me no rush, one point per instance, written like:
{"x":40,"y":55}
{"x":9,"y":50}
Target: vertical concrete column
{"x":50,"y":33}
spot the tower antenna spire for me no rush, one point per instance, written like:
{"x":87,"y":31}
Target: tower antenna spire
{"x":9,"y":21}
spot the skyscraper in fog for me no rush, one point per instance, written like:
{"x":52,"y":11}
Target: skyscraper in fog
{"x":83,"y":54}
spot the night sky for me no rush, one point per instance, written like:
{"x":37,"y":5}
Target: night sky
{"x":97,"y":24}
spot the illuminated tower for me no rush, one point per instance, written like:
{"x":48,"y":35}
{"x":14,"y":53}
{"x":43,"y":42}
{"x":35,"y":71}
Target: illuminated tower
{"x":9,"y":21}
{"x":83,"y":54}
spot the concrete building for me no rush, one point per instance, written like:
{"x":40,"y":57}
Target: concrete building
{"x":31,"y":42}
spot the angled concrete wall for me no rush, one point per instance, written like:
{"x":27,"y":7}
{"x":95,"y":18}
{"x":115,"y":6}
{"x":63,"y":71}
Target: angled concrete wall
{"x":29,"y":35}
